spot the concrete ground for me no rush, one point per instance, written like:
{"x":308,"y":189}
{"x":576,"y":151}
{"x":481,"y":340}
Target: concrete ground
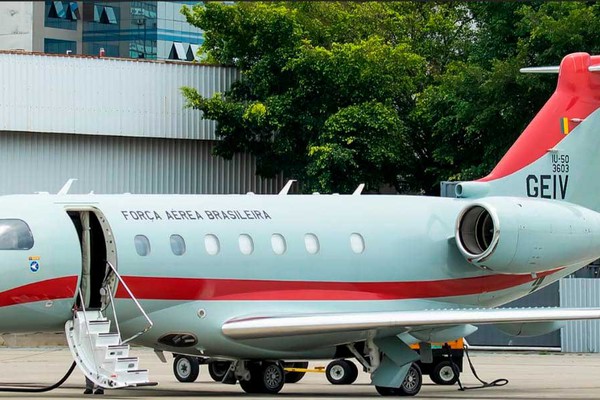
{"x":531,"y":376}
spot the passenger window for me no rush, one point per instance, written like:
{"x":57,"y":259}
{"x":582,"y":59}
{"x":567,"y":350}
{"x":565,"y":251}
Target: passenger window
{"x":177,"y":245}
{"x":246,"y":244}
{"x":357,"y":243}
{"x":15,"y":235}
{"x":142,"y":245}
{"x":278,"y":244}
{"x":312,"y":243}
{"x":211,"y":244}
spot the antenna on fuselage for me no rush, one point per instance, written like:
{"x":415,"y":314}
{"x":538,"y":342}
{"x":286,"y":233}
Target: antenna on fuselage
{"x":287,"y":187}
{"x":358,"y":190}
{"x":66,"y":186}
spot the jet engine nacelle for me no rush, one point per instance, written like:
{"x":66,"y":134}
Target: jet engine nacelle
{"x":520,"y":235}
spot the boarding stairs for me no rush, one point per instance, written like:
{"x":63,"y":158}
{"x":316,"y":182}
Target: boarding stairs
{"x":100,"y":353}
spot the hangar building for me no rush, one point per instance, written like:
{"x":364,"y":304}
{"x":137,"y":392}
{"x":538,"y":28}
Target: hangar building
{"x":117,"y":125}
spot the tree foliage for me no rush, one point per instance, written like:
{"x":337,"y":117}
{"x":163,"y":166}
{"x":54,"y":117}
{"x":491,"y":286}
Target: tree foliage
{"x":402,"y":94}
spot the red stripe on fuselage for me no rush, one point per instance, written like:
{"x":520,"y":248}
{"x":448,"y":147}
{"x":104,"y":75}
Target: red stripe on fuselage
{"x":51,"y":289}
{"x":164,"y":288}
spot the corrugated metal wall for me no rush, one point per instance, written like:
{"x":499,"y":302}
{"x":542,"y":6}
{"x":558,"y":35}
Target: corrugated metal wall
{"x":489,"y":335}
{"x":580,"y":336}
{"x":85,"y":95}
{"x":32,"y":162}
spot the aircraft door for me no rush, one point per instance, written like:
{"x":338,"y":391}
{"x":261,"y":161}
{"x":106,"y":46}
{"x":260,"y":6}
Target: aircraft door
{"x":97,"y":247}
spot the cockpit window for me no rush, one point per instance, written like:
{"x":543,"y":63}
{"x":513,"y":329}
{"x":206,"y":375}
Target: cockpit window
{"x":15,"y":235}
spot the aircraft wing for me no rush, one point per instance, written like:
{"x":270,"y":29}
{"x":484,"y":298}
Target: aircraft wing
{"x":278,"y":326}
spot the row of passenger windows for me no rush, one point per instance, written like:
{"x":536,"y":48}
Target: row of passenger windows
{"x":212,"y":245}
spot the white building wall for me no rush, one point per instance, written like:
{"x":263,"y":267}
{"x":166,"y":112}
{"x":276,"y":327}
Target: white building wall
{"x":16,"y":29}
{"x":116,"y":97}
{"x":33,"y":162}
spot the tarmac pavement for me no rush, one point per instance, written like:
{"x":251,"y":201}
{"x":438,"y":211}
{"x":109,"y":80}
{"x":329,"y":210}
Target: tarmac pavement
{"x":530,"y":375}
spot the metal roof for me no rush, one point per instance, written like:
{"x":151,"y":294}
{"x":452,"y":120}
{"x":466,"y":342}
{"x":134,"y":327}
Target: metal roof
{"x":108,"y":96}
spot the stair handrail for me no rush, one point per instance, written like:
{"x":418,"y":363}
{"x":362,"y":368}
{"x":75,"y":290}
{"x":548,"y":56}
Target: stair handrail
{"x":114,"y":311}
{"x":150,"y":323}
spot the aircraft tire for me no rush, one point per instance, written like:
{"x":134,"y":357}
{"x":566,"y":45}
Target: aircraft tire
{"x":218,"y":369}
{"x":295,"y":377}
{"x":267,"y":378}
{"x":186,"y":368}
{"x":410,"y":386}
{"x":444,"y":374}
{"x":341,"y":372}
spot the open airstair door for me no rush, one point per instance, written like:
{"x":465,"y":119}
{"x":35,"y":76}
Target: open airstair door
{"x":99,"y":350}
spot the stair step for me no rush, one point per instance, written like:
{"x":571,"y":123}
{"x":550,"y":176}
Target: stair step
{"x":90,"y":315}
{"x":99,"y":326}
{"x":131,"y":377}
{"x":112,"y":352}
{"x":121,"y":364}
{"x":106,"y":339}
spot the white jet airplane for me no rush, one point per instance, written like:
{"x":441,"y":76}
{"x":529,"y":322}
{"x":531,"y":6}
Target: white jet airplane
{"x":256,"y":279}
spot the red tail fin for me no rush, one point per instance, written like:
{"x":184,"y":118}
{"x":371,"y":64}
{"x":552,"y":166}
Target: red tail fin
{"x":577,"y":95}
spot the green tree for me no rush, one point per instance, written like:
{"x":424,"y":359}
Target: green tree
{"x":403,"y":94}
{"x":290,"y":110}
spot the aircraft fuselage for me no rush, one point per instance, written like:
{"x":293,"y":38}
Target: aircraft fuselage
{"x":203,"y":260}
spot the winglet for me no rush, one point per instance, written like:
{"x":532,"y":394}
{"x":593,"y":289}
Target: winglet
{"x":358,"y":190}
{"x":66,"y":186}
{"x":287,"y":187}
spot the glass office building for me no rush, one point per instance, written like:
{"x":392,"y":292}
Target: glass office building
{"x":132,"y":29}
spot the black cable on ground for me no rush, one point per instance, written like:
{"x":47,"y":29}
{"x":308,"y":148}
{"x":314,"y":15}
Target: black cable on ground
{"x":484,"y":384}
{"x":40,"y":389}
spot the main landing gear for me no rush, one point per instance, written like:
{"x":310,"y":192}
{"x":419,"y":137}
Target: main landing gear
{"x":265,"y":377}
{"x":410,"y":386}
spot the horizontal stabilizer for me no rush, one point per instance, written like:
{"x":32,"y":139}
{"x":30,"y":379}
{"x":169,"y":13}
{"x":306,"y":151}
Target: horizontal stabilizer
{"x":554,"y":69}
{"x":277,"y":326}
{"x":540,"y":70}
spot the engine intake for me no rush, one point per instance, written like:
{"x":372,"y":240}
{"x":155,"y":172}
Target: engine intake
{"x":476,"y":231}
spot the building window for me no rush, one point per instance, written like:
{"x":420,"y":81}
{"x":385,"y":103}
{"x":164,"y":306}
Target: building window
{"x":55,"y":46}
{"x":278,"y":244}
{"x":15,"y":235}
{"x":105,"y":15}
{"x":61,"y":15}
{"x":177,"y":52}
{"x":193,"y":52}
{"x":212,"y":245}
{"x":246,"y":244}
{"x":142,"y":245}
{"x":311,"y":242}
{"x":177,"y":245}
{"x":357,"y":243}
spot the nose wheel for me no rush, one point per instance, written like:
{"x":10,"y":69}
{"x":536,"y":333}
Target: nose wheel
{"x":186,"y":368}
